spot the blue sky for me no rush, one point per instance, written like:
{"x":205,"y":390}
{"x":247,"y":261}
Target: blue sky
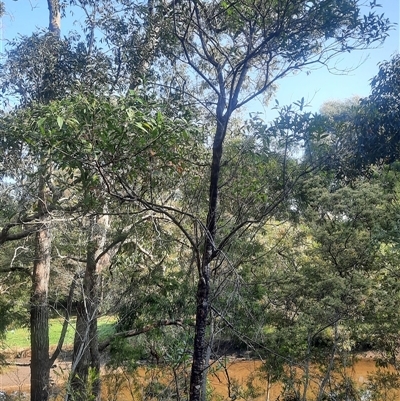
{"x":321,"y":85}
{"x":24,"y":16}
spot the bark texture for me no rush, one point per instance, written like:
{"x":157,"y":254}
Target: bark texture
{"x":199,"y":363}
{"x":54,"y":17}
{"x":39,"y":313}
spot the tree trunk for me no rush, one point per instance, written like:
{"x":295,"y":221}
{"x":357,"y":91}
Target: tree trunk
{"x":207,"y":358}
{"x":54,"y":17}
{"x":39,"y":311}
{"x":199,"y":367}
{"x":198,"y":363}
{"x":40,"y":364}
{"x":85,"y":372}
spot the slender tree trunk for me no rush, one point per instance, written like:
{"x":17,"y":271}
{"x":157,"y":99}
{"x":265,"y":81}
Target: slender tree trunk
{"x":85,"y":372}
{"x":307,"y":363}
{"x":40,"y":363}
{"x":269,"y":386}
{"x":39,"y":310}
{"x":199,"y":367}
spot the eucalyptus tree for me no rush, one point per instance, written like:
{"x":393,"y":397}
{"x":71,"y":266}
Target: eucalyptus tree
{"x":88,"y":135}
{"x":38,"y":70}
{"x":224,"y":54}
{"x":238,"y":51}
{"x":40,"y":363}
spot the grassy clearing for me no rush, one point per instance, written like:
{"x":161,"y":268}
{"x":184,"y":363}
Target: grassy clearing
{"x":20,"y":338}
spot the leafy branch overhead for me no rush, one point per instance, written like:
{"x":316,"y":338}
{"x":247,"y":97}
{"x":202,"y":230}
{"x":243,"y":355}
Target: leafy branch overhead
{"x":123,"y":139}
{"x":240,"y":49}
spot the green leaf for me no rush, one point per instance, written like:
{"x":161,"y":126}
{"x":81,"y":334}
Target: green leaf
{"x":41,"y":122}
{"x":140,"y":126}
{"x":60,"y":121}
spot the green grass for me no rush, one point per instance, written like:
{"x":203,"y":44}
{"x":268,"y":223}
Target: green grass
{"x":20,"y":338}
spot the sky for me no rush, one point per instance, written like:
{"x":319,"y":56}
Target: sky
{"x":321,"y":85}
{"x":25,"y":16}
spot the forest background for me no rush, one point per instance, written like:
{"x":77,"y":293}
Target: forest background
{"x":133,"y":186}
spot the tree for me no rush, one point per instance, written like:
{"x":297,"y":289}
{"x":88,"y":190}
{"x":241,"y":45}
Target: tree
{"x":39,"y":313}
{"x":239,"y":51}
{"x":232,"y":52}
{"x":310,"y":283}
{"x":368,"y":248}
{"x":378,"y":121}
{"x":39,"y":70}
{"x":83,"y":131}
{"x":365,"y":137}
{"x":86,"y":357}
{"x":362,"y":133}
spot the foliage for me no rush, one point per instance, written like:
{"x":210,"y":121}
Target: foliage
{"x":317,"y":290}
{"x":240,"y":49}
{"x":42,"y":67}
{"x":287,"y":257}
{"x":378,"y":125}
{"x":85,"y":134}
{"x":361,"y":133}
{"x":382,"y":385}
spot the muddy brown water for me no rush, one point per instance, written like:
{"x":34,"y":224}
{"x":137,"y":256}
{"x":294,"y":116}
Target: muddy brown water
{"x":241,"y":371}
{"x":16,"y":379}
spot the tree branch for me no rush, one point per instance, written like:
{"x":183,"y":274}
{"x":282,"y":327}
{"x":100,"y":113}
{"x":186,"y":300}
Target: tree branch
{"x":16,"y":269}
{"x":133,"y":333}
{"x":66,"y":319}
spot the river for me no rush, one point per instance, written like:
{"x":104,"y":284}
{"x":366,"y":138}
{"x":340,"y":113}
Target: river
{"x":116,"y":388}
{"x":241,"y":371}
{"x":226,"y":384}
